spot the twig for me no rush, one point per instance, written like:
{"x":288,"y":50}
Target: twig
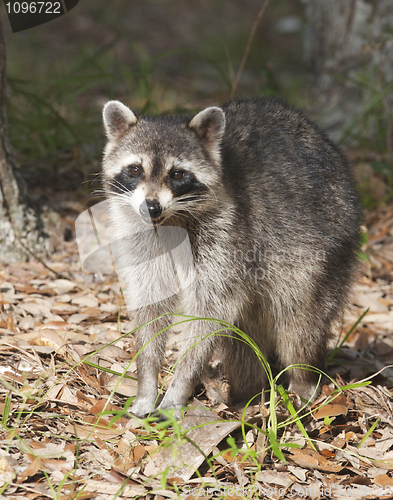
{"x":230,"y":65}
{"x":58,"y":275}
{"x":247,"y":49}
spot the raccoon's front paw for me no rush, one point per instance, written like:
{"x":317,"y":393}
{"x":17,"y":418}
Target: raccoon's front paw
{"x":176,"y":409}
{"x":176,"y":396}
{"x":142,"y":407}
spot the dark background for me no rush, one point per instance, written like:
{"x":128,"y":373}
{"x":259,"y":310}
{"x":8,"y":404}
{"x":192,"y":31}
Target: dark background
{"x":157,"y":56}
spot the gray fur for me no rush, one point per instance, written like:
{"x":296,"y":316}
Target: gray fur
{"x":274,"y":236}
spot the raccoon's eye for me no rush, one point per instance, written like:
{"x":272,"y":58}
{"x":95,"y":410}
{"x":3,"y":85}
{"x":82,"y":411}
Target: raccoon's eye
{"x":135,"y":170}
{"x":177,"y":175}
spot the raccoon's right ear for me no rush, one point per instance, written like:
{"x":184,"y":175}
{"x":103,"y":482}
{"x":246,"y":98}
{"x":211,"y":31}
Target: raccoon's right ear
{"x":117,"y":119}
{"x":209,"y":125}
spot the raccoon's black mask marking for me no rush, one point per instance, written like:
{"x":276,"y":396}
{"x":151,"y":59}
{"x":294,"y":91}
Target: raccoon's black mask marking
{"x":188,"y":184}
{"x":125,"y":181}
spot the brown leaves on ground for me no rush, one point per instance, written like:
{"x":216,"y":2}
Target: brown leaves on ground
{"x":67,"y":371}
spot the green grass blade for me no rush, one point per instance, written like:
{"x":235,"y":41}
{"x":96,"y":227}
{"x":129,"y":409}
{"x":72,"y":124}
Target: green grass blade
{"x":338,"y":346}
{"x":368,"y":433}
{"x":294,"y":414}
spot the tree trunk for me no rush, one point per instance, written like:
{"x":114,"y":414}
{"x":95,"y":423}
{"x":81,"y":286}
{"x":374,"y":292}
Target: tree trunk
{"x":21,"y":229}
{"x":348,"y":48}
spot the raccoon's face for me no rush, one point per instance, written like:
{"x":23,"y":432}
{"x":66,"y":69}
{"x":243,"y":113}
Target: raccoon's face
{"x":162,"y":167}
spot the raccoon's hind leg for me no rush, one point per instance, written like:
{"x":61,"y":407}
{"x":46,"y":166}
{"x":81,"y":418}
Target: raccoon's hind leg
{"x":305,"y":345}
{"x":304,"y":381}
{"x":312,"y":298}
{"x":243,"y":369}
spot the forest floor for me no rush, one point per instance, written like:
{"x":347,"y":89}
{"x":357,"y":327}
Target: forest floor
{"x":67,"y":371}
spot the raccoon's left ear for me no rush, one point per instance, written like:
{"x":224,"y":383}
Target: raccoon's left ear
{"x":209,"y":125}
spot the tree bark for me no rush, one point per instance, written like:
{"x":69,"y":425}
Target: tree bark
{"x":21,"y":228}
{"x":348,"y":48}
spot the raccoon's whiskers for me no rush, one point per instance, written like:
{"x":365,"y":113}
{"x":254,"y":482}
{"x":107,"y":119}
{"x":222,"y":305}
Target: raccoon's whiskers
{"x":214,"y":194}
{"x":191,"y":197}
{"x":184,"y":208}
{"x":124,"y":194}
{"x":99,"y":193}
{"x":118,"y":185}
{"x":97,"y":175}
{"x":124,"y":198}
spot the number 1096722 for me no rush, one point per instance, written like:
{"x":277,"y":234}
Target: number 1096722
{"x":33,"y":8}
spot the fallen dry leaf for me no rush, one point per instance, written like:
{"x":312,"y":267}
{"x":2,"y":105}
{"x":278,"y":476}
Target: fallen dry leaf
{"x":206,"y":429}
{"x":31,"y":470}
{"x":310,"y":459}
{"x":383,"y":480}
{"x":7,"y":472}
{"x":55,"y":325}
{"x":330,"y":410}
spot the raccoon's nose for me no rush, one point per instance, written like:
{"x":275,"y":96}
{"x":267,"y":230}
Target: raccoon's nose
{"x":151,"y":208}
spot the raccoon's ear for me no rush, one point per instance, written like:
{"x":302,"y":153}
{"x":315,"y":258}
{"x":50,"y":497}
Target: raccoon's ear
{"x":117,"y":119}
{"x":209,"y":125}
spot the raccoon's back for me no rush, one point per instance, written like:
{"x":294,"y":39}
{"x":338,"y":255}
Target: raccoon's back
{"x":285,"y":176}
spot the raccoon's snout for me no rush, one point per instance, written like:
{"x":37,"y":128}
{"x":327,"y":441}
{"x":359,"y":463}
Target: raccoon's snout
{"x":150,"y":209}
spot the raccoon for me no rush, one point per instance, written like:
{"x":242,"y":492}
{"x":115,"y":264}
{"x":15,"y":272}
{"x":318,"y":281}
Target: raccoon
{"x":272,"y":216}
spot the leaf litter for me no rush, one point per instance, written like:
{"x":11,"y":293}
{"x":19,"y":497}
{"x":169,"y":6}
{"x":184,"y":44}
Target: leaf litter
{"x":67,"y":373}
